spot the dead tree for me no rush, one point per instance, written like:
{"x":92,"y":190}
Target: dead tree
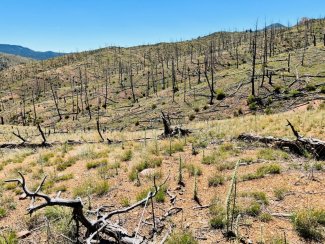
{"x":55,"y":99}
{"x":254,"y":63}
{"x":300,"y":146}
{"x":171,"y":132}
{"x":42,"y":134}
{"x":101,"y":227}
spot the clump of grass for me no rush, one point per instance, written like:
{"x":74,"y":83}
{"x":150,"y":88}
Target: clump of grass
{"x":125,"y":202}
{"x":254,"y":209}
{"x":257,"y":195}
{"x":3,"y":212}
{"x":99,"y":188}
{"x":63,"y":225}
{"x":319,"y":166}
{"x":280,"y":193}
{"x":161,"y":194}
{"x":265,"y":217}
{"x":149,"y":162}
{"x":193,"y":169}
{"x":66,"y":164}
{"x":63,"y":177}
{"x":10,"y":186}
{"x":272,"y":154}
{"x":127,"y":155}
{"x":142,"y":194}
{"x":8,"y":237}
{"x":174,"y":146}
{"x":209,"y":159}
{"x":44,"y":158}
{"x":309,"y":223}
{"x":221,"y":153}
{"x":181,"y":237}
{"x":95,"y":164}
{"x":218,"y":215}
{"x":216,"y":180}
{"x":269,"y":169}
{"x":262,"y":171}
{"x":226,"y":166}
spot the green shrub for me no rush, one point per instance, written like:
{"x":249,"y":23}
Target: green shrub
{"x":181,"y":237}
{"x":250,"y":99}
{"x":216,"y":180}
{"x":277,"y":89}
{"x":309,"y":223}
{"x":220,"y":94}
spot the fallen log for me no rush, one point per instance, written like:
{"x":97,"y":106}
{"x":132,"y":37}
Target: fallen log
{"x":300,"y":146}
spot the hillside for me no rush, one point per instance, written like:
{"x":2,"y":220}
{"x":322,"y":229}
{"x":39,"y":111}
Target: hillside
{"x":97,"y":140}
{"x":7,"y":60}
{"x":128,"y":87}
{"x":27,"y":53}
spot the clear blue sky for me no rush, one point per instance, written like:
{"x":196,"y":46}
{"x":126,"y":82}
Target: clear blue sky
{"x":76,"y":25}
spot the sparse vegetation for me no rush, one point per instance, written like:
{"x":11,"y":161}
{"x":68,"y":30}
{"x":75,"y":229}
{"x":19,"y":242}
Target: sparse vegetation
{"x":309,"y":223}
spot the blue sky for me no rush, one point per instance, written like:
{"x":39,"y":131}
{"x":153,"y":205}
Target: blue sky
{"x":76,"y":25}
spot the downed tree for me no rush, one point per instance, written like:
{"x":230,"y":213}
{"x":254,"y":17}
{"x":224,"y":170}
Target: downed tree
{"x":171,"y":132}
{"x":300,"y":145}
{"x":96,"y":229}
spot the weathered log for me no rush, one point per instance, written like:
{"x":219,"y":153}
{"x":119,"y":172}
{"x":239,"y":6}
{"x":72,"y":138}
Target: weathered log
{"x":101,"y":225}
{"x":300,"y":146}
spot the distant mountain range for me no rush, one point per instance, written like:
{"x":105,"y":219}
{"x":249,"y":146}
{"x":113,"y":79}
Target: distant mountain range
{"x":27,"y":53}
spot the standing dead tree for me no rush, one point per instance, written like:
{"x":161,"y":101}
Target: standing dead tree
{"x":97,"y":229}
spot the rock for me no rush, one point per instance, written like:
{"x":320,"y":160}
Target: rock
{"x":23,"y":234}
